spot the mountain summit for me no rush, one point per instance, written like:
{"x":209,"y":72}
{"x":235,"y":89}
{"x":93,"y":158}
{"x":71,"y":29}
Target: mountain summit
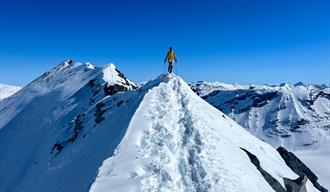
{"x":80,"y":128}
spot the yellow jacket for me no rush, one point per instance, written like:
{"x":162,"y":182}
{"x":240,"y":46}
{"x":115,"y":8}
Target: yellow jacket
{"x":170,"y":56}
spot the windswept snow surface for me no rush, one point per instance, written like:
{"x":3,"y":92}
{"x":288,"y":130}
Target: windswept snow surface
{"x":7,"y":90}
{"x":176,"y":141}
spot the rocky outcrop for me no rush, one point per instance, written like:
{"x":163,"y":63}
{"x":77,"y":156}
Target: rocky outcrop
{"x":299,"y":167}
{"x":268,"y":177}
{"x":297,"y":185}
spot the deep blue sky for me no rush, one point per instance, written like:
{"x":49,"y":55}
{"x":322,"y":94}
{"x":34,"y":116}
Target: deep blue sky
{"x":243,"y":41}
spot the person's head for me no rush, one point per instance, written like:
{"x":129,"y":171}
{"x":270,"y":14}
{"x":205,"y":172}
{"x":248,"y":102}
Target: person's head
{"x":171,"y":49}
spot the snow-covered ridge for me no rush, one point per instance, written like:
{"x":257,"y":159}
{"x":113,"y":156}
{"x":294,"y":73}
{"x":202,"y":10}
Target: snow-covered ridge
{"x":7,"y":90}
{"x":175,"y":141}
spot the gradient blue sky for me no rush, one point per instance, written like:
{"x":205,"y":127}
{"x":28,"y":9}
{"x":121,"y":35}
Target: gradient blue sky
{"x":242,"y":41}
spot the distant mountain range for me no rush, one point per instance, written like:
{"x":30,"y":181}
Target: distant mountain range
{"x":295,"y":116}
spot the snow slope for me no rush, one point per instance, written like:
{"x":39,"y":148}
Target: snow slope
{"x":177,"y":142}
{"x":7,"y":90}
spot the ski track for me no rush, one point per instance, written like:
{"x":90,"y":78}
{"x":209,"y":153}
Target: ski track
{"x":191,"y":173}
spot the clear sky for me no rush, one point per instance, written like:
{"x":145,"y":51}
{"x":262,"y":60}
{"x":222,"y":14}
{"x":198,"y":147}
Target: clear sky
{"x":242,"y":41}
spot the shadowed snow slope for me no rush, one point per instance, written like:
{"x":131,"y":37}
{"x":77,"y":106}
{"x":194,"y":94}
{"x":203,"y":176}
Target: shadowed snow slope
{"x":176,"y":141}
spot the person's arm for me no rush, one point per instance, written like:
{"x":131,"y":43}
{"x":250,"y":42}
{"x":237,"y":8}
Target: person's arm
{"x":175,"y":58}
{"x":165,"y":58}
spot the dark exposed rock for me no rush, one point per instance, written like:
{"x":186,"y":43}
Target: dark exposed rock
{"x":297,"y":185}
{"x":302,"y":122}
{"x":299,"y":167}
{"x":194,"y":89}
{"x":119,"y":103}
{"x":120,"y":74}
{"x":113,"y":89}
{"x":313,"y":98}
{"x":99,"y":112}
{"x":78,"y":126}
{"x":69,"y":61}
{"x":268,"y":177}
{"x":91,"y":83}
{"x":74,"y":137}
{"x":56,"y":147}
{"x":78,"y":122}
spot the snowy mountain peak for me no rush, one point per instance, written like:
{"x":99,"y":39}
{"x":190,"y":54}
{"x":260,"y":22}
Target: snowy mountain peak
{"x":110,"y":65}
{"x":7,"y":90}
{"x":63,"y":81}
{"x":286,"y":85}
{"x":89,"y":65}
{"x":300,"y":84}
{"x":111,"y":75}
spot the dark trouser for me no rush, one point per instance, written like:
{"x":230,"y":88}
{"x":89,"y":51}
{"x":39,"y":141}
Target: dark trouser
{"x":170,"y":66}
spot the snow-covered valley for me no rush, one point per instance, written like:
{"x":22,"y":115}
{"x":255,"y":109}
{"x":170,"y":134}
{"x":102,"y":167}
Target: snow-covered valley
{"x":84,"y":128}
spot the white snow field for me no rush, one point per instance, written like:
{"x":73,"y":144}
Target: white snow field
{"x":318,"y":161}
{"x":7,"y":90}
{"x":85,"y":128}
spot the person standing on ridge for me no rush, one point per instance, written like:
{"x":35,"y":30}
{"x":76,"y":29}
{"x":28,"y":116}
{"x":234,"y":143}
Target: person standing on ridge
{"x":170,"y":57}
